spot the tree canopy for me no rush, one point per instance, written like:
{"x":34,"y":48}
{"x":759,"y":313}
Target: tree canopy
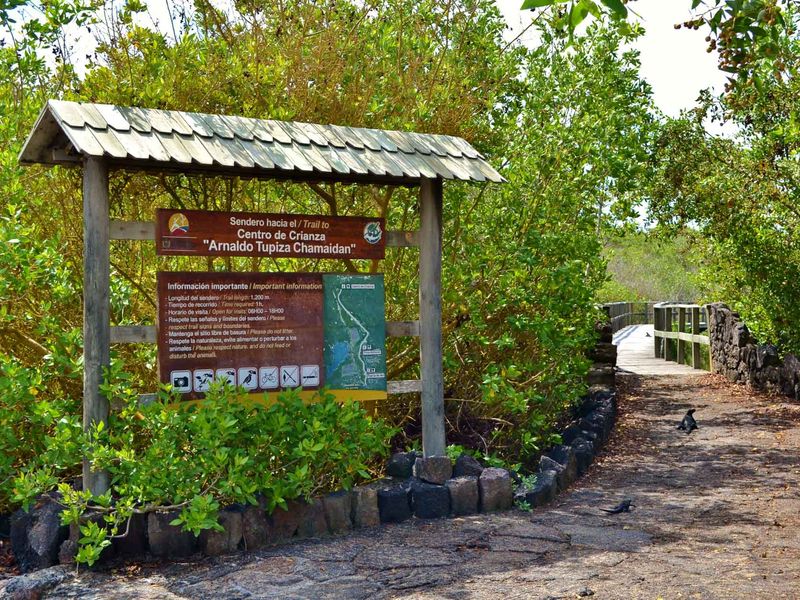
{"x":748,"y":35}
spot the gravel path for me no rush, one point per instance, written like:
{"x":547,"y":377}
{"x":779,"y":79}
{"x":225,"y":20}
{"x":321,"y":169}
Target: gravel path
{"x":718,"y":516}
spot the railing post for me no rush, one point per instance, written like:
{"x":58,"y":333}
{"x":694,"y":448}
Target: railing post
{"x":656,"y":329}
{"x":681,"y":328}
{"x":669,"y":352}
{"x":696,"y":360}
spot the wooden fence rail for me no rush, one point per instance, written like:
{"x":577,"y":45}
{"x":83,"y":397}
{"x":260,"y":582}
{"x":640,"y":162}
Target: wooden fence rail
{"x":675,"y":323}
{"x":677,"y":328}
{"x":623,"y":314}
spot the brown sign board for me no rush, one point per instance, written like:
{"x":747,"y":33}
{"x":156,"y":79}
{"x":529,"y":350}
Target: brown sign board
{"x":215,"y":233}
{"x":261,"y":331}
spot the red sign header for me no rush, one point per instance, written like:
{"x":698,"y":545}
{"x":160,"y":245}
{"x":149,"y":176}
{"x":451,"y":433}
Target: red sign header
{"x":213,"y":233}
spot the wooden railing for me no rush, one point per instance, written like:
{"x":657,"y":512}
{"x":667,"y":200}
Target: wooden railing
{"x":679,"y":329}
{"x":622,"y":314}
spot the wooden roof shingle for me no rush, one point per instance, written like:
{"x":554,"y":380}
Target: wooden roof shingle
{"x":167,"y":140}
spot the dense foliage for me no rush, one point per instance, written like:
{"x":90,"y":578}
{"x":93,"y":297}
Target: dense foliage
{"x":743,"y":195}
{"x":40,"y":337}
{"x":747,"y":35}
{"x":654,"y":266}
{"x":531,"y":277}
{"x":197,"y":458}
{"x":569,"y":123}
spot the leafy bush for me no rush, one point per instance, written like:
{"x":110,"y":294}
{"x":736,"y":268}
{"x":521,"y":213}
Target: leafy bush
{"x":488,"y":460}
{"x":744,"y":203}
{"x":30,"y":428}
{"x":40,"y":369}
{"x":523,"y":261}
{"x":40,"y":300}
{"x":199,"y":456}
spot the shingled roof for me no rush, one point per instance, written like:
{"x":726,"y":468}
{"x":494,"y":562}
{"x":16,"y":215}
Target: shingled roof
{"x":164,"y":140}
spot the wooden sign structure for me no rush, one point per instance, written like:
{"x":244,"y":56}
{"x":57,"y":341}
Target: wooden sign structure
{"x":101,"y":137}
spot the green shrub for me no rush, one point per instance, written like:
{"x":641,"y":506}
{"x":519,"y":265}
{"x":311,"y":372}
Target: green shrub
{"x":199,"y":456}
{"x":40,"y":348}
{"x":488,"y":460}
{"x":32,"y":428}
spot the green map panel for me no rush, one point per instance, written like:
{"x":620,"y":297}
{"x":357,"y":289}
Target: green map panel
{"x":355,"y":332}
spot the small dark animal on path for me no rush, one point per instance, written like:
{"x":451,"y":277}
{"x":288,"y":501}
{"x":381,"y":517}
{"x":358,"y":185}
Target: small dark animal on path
{"x":688,"y":424}
{"x":647,"y":334}
{"x":624,"y":506}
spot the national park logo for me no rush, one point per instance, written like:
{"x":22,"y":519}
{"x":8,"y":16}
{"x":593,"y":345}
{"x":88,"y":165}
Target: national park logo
{"x":178,"y":223}
{"x":372,"y":232}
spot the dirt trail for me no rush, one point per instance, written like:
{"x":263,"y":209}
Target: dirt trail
{"x":718,"y":516}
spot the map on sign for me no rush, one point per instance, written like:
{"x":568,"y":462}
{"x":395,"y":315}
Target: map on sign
{"x":355,"y":332}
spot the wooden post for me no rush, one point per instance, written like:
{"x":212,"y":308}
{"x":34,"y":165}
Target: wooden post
{"x":96,"y":326}
{"x":681,"y":329}
{"x":696,"y":360}
{"x":657,"y":320}
{"x":669,"y":353}
{"x":430,"y":317}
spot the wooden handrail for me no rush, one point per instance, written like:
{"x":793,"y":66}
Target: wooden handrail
{"x":690,"y":320}
{"x":623,"y":314}
{"x":667,"y":339}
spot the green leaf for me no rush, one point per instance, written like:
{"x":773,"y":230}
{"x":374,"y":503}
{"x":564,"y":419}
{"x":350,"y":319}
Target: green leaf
{"x":578,"y":13}
{"x":617,"y":7}
{"x":528,"y":4}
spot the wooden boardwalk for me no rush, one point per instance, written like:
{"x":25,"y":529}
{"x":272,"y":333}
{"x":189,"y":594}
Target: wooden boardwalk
{"x":635,"y":354}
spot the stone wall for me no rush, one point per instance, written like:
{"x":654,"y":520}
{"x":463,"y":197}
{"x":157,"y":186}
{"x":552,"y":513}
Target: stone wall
{"x":737,"y":355}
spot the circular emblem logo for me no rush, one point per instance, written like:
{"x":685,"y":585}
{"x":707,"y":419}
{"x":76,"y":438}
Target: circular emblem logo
{"x":178,"y":223}
{"x":372,"y":232}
